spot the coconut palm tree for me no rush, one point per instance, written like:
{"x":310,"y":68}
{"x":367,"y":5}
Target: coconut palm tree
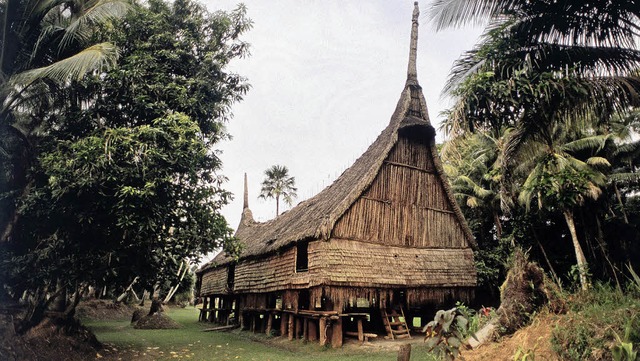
{"x":278,"y":184}
{"x":540,"y":64}
{"x":44,"y":46}
{"x":558,"y":180}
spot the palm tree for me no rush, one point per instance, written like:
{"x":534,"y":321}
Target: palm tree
{"x":540,"y":64}
{"x":278,"y":184}
{"x":558,"y":180}
{"x":473,"y":164}
{"x":44,"y":46}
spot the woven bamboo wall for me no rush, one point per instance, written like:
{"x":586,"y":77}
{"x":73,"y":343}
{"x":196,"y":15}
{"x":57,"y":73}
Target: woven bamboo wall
{"x":359,"y":264}
{"x":271,"y":273}
{"x":405,"y":205}
{"x":214,"y":281}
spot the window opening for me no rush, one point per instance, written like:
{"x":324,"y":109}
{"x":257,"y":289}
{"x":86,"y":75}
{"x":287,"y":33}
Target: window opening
{"x":231,"y":275}
{"x":302,"y":257}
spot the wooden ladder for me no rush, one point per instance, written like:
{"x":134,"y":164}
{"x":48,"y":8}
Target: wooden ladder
{"x":395,"y":326}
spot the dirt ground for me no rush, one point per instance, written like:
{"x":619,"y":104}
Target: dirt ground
{"x":534,"y":339}
{"x":104,"y":310}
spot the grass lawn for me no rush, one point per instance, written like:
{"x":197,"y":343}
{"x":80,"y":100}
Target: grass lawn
{"x":124,"y":342}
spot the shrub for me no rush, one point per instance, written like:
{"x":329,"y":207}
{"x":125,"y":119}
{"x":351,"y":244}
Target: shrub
{"x":597,"y":317}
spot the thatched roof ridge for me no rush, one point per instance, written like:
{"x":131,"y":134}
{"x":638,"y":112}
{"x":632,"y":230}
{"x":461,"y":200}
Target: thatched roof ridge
{"x":316,"y":217}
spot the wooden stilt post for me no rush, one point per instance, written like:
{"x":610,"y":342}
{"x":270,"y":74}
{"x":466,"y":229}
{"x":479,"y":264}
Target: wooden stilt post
{"x":253,"y":323}
{"x":299,"y":330}
{"x":269,"y":323}
{"x":360,"y":330}
{"x":283,"y":324}
{"x":323,"y":331}
{"x":305,"y":330}
{"x":404,"y":353}
{"x":211,"y":305}
{"x":263,"y":323}
{"x":313,"y":330}
{"x":292,"y":320}
{"x":203,"y":313}
{"x":336,"y":334}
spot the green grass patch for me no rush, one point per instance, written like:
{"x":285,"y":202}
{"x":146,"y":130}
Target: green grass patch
{"x":588,"y":331}
{"x":190,"y":343}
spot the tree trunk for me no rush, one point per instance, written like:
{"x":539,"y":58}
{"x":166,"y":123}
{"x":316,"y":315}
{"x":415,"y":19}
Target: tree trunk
{"x":582,"y":262}
{"x":556,"y":279}
{"x":619,"y":197}
{"x":498,"y":224}
{"x":156,"y":306}
{"x":277,"y":205}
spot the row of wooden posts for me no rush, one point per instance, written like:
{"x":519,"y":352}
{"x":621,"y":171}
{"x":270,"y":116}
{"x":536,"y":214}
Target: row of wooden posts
{"x":322,"y":326}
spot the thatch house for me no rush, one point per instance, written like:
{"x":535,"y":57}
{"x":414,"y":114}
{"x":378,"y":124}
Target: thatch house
{"x":386,"y":238}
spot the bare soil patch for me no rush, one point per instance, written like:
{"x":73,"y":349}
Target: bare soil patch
{"x":157,"y":321}
{"x":46,"y":341}
{"x":105,"y":310}
{"x":534,"y":339}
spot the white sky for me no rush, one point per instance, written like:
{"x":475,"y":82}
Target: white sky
{"x":325,"y":76}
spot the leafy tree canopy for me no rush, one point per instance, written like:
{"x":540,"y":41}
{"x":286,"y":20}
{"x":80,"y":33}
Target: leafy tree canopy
{"x":125,"y":179}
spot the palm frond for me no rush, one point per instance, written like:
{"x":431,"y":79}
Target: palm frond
{"x":456,"y":13}
{"x":598,"y":162}
{"x":95,"y":57}
{"x":625,"y":178}
{"x":595,"y":143}
{"x":93,"y":13}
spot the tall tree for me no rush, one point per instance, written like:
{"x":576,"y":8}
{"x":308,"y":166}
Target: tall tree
{"x":126,"y":179}
{"x":559,"y":180}
{"x":542,"y":63}
{"x":44,"y":47}
{"x":278,"y":183}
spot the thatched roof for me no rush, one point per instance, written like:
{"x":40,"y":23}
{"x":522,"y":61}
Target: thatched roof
{"x":315,"y":218}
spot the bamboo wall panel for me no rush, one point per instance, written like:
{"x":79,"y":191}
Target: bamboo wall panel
{"x":360,"y":264}
{"x":273,"y":272}
{"x":214,"y":282}
{"x":406,"y":204}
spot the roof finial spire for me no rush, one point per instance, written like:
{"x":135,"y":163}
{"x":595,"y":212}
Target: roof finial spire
{"x":412,"y":74}
{"x":246,"y":193}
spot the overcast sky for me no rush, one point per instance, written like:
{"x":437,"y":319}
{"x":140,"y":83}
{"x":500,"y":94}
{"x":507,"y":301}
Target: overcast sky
{"x":325,"y":77}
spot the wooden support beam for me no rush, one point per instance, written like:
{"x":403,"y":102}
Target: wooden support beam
{"x":292,"y":320}
{"x":263,"y":323}
{"x":313,"y":330}
{"x":336,"y":329}
{"x":211,"y":313}
{"x":336,"y":333}
{"x":404,"y":352}
{"x":284,"y":318}
{"x":203,"y":313}
{"x":305,"y":330}
{"x":269,"y":323}
{"x":253,"y":323}
{"x":360,"y":330}
{"x":299,"y":331}
{"x":323,"y":331}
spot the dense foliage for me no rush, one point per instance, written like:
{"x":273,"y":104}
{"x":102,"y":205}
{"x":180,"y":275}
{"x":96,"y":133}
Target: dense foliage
{"x":543,"y":148}
{"x":124,"y":179}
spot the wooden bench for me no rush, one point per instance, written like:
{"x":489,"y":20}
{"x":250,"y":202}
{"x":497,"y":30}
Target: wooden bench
{"x":366,"y":336}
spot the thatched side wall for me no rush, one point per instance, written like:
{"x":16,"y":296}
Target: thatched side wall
{"x":271,"y":273}
{"x":384,"y":297}
{"x":214,"y":281}
{"x":363,"y":264}
{"x":406,"y":204}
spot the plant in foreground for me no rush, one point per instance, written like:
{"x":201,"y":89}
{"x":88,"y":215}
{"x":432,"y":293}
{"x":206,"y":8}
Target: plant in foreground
{"x":447,"y":333}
